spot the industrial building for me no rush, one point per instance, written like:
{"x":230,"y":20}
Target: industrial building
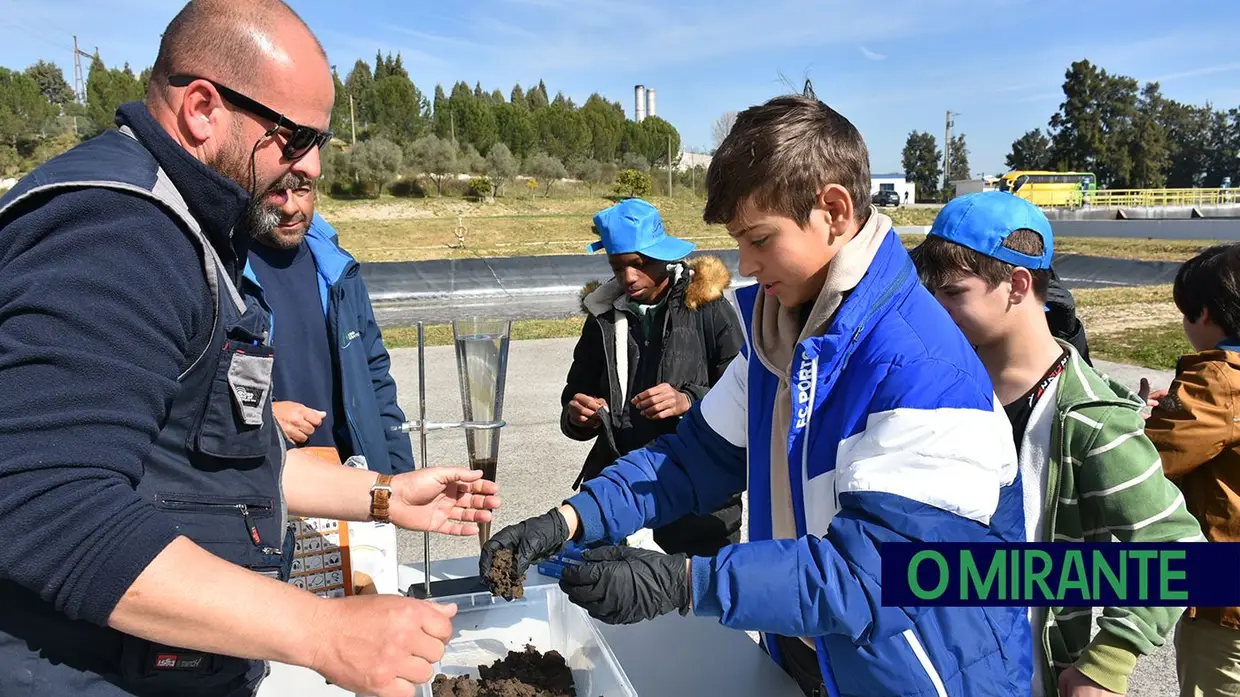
{"x":643,"y":103}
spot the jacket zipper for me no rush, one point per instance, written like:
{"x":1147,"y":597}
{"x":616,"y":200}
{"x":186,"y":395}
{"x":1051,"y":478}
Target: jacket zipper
{"x":334,"y":322}
{"x":243,"y":508}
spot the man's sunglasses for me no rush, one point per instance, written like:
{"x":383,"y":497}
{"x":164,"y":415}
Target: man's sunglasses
{"x":301,"y":138}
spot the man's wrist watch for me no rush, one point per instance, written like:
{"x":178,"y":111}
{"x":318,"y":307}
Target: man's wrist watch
{"x":380,"y":495}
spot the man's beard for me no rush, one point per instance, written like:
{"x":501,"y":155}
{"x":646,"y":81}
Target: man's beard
{"x":261,"y":217}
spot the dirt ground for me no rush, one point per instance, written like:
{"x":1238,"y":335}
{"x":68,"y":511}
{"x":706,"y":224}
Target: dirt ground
{"x":1101,"y":321}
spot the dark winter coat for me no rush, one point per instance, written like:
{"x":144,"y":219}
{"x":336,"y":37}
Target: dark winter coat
{"x":701,"y":334}
{"x":1062,"y":319}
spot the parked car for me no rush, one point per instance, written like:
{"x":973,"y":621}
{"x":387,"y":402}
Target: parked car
{"x":886,"y":198}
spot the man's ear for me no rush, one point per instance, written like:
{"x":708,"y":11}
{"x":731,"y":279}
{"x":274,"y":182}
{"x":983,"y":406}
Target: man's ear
{"x":203,"y":113}
{"x":836,"y":204}
{"x":1022,"y":285}
{"x":1205,"y":317}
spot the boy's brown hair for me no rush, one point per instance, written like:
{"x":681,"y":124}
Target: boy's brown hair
{"x":941,"y":262}
{"x":1211,"y":281}
{"x":779,"y":155}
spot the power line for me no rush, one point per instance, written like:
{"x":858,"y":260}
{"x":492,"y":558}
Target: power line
{"x":27,"y":33}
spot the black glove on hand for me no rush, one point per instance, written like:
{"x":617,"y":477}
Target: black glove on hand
{"x":528,"y":541}
{"x":624,"y":585}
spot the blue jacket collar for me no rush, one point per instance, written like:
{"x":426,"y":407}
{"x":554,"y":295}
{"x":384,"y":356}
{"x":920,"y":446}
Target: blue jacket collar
{"x":889,"y":274}
{"x":332,"y":261}
{"x":216,"y":201}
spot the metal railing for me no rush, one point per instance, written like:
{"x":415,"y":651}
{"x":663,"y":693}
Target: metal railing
{"x":1134,"y":198}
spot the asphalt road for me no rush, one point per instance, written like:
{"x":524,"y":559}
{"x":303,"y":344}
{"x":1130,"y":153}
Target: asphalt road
{"x":537,"y":464}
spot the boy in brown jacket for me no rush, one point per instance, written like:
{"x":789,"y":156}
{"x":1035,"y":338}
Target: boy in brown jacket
{"x":1195,"y":425}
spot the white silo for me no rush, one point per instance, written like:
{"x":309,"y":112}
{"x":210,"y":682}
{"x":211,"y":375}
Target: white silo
{"x":650,"y":103}
{"x":639,"y":102}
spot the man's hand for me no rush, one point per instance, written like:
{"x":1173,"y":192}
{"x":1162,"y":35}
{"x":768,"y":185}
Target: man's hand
{"x":298,"y":421}
{"x":583,"y":410}
{"x":449,"y":500}
{"x":1073,"y":683}
{"x":624,"y":585}
{"x":662,"y":401}
{"x":529,"y":541}
{"x":380,"y":645}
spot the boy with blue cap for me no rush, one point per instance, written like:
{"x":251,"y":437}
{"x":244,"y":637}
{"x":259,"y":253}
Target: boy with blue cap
{"x":855,"y":415}
{"x":1087,"y":470}
{"x":657,"y":336}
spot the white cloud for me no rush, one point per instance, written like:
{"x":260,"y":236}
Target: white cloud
{"x":871,"y":55}
{"x":1198,"y":72}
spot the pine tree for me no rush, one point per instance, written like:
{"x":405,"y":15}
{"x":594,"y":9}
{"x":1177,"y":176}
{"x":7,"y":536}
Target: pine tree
{"x":381,"y":67}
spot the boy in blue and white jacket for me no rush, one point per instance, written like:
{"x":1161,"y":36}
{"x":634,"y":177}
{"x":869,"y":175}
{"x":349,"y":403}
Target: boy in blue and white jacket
{"x":856,"y":414}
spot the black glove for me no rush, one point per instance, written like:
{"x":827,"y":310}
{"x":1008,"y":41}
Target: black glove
{"x":624,"y":585}
{"x":528,"y":541}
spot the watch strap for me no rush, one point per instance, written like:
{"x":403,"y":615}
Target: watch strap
{"x":380,"y":497}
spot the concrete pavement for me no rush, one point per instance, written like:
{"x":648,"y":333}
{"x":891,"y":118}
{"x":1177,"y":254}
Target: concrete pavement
{"x":537,"y":464}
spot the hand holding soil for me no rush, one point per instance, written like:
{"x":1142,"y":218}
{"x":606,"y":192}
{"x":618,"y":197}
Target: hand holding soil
{"x":516,"y":547}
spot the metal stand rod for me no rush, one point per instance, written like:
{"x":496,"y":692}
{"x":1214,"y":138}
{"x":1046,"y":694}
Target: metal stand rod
{"x":426,"y":536}
{"x":423,"y":426}
{"x":416,"y":425}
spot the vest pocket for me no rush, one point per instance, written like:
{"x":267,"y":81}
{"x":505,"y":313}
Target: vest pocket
{"x":236,"y":421}
{"x":228,"y":527}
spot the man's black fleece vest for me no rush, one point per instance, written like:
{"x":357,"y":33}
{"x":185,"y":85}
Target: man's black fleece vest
{"x":214,"y":467}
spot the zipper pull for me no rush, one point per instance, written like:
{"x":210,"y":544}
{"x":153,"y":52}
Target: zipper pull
{"x":249,"y":524}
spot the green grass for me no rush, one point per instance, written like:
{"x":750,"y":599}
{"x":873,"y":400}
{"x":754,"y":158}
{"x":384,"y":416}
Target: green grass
{"x":1157,"y":347}
{"x":441,"y":334}
{"x":400,"y":229}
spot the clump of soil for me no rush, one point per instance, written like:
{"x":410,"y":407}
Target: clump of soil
{"x":526,"y":674}
{"x":505,"y":580}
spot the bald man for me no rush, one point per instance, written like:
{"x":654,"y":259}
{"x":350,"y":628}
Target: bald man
{"x":144,"y":483}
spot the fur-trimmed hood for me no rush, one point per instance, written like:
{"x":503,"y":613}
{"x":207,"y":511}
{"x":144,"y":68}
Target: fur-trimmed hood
{"x":707,"y":279}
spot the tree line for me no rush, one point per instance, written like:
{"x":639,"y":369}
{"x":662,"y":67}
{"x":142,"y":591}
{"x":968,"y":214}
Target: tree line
{"x":1130,"y":136}
{"x":387,"y":129}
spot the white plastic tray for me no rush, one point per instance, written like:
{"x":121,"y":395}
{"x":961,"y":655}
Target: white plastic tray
{"x":488,"y":627}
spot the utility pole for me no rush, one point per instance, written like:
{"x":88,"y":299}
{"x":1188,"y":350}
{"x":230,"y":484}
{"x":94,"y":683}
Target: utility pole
{"x":947,"y":152}
{"x":79,"y":81}
{"x":452,"y":124}
{"x":669,"y":164}
{"x":353,"y":120}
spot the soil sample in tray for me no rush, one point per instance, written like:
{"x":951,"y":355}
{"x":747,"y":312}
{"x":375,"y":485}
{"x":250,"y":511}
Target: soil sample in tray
{"x":526,"y":674}
{"x":508,"y":584}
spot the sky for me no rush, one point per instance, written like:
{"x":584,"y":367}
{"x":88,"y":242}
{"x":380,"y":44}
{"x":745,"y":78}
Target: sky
{"x":890,"y":67}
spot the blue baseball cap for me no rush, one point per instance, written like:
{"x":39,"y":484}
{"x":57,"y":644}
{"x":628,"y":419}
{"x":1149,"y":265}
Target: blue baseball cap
{"x":984,"y":220}
{"x":634,"y":226}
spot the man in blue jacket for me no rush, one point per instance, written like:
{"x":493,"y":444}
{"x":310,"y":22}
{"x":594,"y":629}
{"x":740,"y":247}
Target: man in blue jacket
{"x":855,"y":415}
{"x":332,"y":385}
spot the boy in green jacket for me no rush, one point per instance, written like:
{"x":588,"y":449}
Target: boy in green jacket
{"x":1089,"y":472}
